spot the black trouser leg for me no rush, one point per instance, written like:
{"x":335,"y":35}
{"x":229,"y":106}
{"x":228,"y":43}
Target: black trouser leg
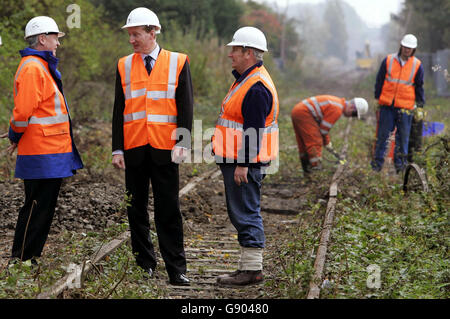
{"x":137,"y":184}
{"x":415,"y":139}
{"x":168,"y":220}
{"x":44,"y":194}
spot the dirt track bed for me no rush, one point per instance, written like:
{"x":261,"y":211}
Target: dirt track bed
{"x":210,"y":239}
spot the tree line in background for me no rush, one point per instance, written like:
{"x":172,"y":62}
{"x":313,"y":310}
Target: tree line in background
{"x":89,"y":54}
{"x":200,"y":28}
{"x":428,"y":20}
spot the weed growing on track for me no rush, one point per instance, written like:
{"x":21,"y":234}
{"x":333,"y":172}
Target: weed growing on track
{"x":25,"y":280}
{"x":404,"y":236}
{"x":292,"y":262}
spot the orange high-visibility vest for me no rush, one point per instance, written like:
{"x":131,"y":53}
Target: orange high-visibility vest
{"x":150,"y":114}
{"x":228,"y":135}
{"x":399,"y":85}
{"x":40,"y":113}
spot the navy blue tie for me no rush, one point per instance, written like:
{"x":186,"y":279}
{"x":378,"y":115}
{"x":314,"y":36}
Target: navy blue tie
{"x":148,"y":65}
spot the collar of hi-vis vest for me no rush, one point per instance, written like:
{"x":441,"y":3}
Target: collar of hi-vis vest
{"x":60,"y":117}
{"x":51,"y":60}
{"x":389,"y":77}
{"x":240,"y":77}
{"x":241,"y":80}
{"x":155,"y":95}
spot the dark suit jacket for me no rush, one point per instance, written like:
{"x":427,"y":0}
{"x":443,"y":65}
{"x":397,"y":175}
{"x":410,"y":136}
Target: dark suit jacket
{"x":185,"y":108}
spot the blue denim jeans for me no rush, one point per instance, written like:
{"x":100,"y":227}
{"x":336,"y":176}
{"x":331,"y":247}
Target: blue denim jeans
{"x":391,"y":117}
{"x":243,"y":205}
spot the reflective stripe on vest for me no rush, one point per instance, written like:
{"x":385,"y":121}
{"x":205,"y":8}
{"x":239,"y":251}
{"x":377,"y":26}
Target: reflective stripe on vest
{"x":154,"y":95}
{"x":327,"y":125}
{"x":150,"y":118}
{"x":233,"y":91}
{"x":169,"y":94}
{"x":333,"y":103}
{"x":240,"y":127}
{"x":57,"y":119}
{"x":315,"y":110}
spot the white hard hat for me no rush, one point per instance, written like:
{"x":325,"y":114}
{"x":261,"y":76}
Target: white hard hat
{"x":361,"y":106}
{"x":409,"y":41}
{"x":42,"y":24}
{"x":142,"y":17}
{"x":249,"y":37}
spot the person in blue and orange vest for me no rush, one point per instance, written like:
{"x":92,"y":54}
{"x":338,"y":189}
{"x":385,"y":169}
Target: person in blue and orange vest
{"x":245,"y":141}
{"x":41,"y":130}
{"x":400,"y":94}
{"x":153,"y":102}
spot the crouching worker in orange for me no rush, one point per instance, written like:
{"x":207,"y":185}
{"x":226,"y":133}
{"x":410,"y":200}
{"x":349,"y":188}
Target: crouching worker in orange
{"x":313,"y":119}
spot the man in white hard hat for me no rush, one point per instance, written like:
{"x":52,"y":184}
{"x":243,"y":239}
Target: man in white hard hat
{"x":313,"y":119}
{"x":249,"y":114}
{"x":154,"y":101}
{"x":399,"y":91}
{"x":41,"y":130}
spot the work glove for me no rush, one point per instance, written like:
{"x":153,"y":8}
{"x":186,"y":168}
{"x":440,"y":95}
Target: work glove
{"x":376,"y":104}
{"x":329,"y":148}
{"x":419,"y":114}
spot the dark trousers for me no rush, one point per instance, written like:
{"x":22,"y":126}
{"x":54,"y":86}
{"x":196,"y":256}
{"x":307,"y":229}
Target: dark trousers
{"x":390,"y":118}
{"x":40,"y":201}
{"x":168,"y":220}
{"x":415,"y":139}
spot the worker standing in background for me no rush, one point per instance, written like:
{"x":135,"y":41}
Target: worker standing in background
{"x":41,"y":130}
{"x":154,"y":98}
{"x":244,"y":142}
{"x":313,"y":119}
{"x":399,"y":91}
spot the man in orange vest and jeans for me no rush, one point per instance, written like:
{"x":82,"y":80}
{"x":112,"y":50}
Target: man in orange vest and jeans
{"x":313,"y":119}
{"x":399,"y":90}
{"x":154,"y":99}
{"x":41,"y":130}
{"x":244,"y":142}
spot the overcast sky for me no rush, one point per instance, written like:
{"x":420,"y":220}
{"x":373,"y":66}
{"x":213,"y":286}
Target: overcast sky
{"x":374,"y":12}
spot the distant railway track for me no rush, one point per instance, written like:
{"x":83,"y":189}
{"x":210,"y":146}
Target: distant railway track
{"x":319,"y":264}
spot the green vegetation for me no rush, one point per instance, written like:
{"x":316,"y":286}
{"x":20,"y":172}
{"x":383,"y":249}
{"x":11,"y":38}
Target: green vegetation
{"x":376,"y":223}
{"x":117,"y":276}
{"x":405,"y":235}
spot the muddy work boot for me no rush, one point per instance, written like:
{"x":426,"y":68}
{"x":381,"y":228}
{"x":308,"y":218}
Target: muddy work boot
{"x":241,"y":278}
{"x":305,"y":165}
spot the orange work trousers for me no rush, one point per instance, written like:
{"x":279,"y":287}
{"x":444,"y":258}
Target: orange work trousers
{"x":307,"y":133}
